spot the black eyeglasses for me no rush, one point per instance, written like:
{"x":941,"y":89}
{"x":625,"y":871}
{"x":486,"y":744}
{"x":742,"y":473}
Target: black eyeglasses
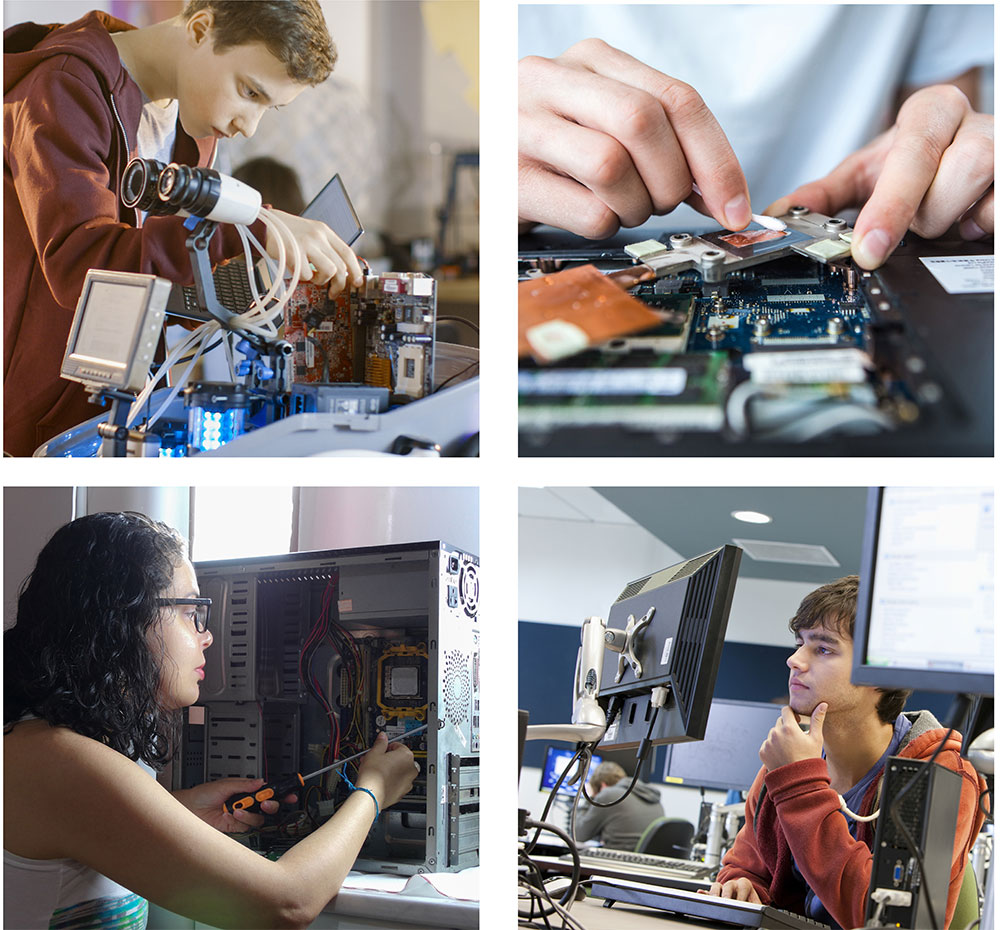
{"x":202,"y":606}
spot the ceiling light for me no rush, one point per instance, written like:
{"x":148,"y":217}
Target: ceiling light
{"x":750,"y":516}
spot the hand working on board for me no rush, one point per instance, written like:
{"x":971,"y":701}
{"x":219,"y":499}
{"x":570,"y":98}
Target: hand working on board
{"x":605,"y":141}
{"x":932,"y":168}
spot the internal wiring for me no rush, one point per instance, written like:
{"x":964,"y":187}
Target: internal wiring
{"x":350,"y":736}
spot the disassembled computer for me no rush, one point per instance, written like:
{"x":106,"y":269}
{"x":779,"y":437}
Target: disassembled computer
{"x":767,"y":341}
{"x":315,"y":653}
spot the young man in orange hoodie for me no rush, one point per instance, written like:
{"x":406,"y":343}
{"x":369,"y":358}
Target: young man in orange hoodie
{"x":798,"y":851}
{"x":80,"y":101}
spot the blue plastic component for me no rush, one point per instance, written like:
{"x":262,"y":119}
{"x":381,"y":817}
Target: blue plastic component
{"x":191,"y":222}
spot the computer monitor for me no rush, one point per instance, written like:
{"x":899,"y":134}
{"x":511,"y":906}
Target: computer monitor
{"x":116,"y":329}
{"x":925,"y":599}
{"x":556,"y":759}
{"x":726,"y":759}
{"x":678,"y":617}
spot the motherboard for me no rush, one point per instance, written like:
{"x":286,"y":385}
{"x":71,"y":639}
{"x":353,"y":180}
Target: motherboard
{"x":762,"y":336}
{"x":380,"y":335}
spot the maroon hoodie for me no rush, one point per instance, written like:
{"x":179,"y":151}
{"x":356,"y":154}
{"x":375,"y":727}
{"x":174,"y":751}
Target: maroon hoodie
{"x":798,"y":816}
{"x":70,"y":118}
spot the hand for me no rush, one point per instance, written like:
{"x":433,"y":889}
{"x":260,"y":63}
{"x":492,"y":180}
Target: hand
{"x":933,"y":167}
{"x":206,"y":802}
{"x":605,"y":141}
{"x":388,"y":770}
{"x":786,"y":743}
{"x":329,"y":255}
{"x":739,"y":889}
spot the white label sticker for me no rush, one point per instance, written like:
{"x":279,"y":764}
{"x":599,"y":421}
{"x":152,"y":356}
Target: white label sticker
{"x":611,"y":732}
{"x":667,"y":646}
{"x":555,"y":339}
{"x":963,"y":274}
{"x":346,"y":606}
{"x":816,"y":366}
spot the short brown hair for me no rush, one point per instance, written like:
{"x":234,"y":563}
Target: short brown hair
{"x":607,"y":773}
{"x":294,"y":31}
{"x":835,"y":605}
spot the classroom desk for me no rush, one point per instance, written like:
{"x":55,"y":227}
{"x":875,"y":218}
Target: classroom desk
{"x":363,"y":909}
{"x":594,"y":916}
{"x":358,"y":909}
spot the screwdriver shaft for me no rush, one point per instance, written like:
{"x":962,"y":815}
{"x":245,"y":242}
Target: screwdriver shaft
{"x":358,"y":755}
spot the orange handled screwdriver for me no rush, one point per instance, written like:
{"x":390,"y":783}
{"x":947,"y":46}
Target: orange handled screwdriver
{"x":275,"y":791}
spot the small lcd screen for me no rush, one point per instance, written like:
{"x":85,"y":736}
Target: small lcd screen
{"x":555,"y":761}
{"x":111,"y":318}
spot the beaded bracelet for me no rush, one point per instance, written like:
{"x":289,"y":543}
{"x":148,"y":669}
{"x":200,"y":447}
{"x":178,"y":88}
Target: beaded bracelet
{"x":367,"y":791}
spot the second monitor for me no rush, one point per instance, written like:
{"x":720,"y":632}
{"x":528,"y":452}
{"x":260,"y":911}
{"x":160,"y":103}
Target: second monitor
{"x":727,"y":758}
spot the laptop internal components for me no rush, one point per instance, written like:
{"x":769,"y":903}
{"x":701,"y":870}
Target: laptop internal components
{"x":763,"y":337}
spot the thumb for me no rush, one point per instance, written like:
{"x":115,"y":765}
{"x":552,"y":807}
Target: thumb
{"x":817,"y":718}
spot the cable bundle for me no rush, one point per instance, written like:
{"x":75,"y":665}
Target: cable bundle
{"x":327,"y":629}
{"x":259,"y":319}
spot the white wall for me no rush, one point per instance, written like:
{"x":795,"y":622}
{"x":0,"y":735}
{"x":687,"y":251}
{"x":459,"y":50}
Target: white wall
{"x":577,"y":552}
{"x":170,"y":505}
{"x":30,"y":517}
{"x":333,"y":518}
{"x":568,"y":569}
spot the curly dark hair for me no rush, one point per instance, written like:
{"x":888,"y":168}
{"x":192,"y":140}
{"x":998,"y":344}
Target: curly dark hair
{"x":79,"y":654}
{"x":834,"y":605}
{"x":294,"y":31}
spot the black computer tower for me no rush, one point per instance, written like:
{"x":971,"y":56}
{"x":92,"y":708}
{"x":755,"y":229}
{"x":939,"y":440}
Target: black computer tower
{"x":929,"y":812}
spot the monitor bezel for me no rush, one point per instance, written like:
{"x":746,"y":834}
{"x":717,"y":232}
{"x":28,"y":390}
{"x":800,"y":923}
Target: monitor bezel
{"x":880,"y":676}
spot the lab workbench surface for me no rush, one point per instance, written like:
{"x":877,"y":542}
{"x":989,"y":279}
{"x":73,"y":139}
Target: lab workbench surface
{"x":444,"y":901}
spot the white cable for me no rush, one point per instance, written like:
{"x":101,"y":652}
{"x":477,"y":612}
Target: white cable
{"x":259,"y":319}
{"x":736,"y":406}
{"x":188,"y":342}
{"x":181,"y":382}
{"x":858,"y":817}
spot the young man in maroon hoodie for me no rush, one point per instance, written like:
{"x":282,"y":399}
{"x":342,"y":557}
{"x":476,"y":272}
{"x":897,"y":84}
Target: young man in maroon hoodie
{"x":80,"y":101}
{"x":798,"y":851}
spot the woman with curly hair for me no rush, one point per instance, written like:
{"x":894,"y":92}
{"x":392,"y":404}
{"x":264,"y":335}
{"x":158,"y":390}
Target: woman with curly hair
{"x":106,"y":650}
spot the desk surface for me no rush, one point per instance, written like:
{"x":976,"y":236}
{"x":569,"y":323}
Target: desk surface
{"x":594,"y":916}
{"x":361,"y":908}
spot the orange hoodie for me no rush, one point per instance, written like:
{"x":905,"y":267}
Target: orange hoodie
{"x":70,"y":119}
{"x":793,"y":813}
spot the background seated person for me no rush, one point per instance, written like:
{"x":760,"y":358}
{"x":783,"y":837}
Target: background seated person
{"x":617,"y":827}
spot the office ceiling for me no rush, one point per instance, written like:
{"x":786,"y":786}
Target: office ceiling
{"x":694,"y":520}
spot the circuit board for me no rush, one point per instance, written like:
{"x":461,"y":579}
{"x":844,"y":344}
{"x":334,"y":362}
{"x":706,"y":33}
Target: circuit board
{"x":789,"y":303}
{"x":645,"y":389}
{"x":381,"y":334}
{"x":792,"y":332}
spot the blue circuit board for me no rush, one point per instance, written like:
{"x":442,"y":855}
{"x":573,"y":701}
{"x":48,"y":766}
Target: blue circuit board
{"x":788,"y":303}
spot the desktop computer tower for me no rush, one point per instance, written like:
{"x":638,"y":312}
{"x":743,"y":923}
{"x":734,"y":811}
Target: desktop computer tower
{"x":318,"y":651}
{"x":929,"y":812}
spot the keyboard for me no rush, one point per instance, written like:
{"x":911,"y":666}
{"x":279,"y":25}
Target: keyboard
{"x":690,"y":904}
{"x":646,"y":860}
{"x":630,"y":871}
{"x":232,"y":288}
